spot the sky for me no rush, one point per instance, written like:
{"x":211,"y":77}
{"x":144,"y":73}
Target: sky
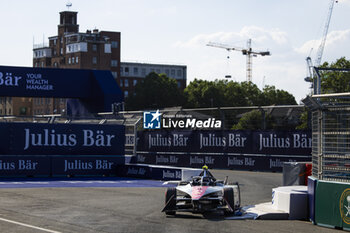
{"x":177,"y":31}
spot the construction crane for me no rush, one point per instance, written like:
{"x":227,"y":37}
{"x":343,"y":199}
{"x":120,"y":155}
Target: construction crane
{"x":320,"y":50}
{"x":245,"y":51}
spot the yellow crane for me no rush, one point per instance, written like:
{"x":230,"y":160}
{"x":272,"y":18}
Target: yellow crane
{"x":245,"y":51}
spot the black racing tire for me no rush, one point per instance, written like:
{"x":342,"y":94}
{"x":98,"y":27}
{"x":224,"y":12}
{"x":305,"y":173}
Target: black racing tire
{"x":229,"y":198}
{"x":170,"y":192}
{"x":239,"y":193}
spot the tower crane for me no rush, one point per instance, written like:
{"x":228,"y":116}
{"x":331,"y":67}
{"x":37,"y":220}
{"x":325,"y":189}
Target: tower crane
{"x":245,"y":51}
{"x":317,"y":83}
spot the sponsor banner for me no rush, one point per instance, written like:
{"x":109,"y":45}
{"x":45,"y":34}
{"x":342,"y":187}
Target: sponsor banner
{"x":61,"y":139}
{"x":159,"y":173}
{"x":95,"y":89}
{"x":332,"y":204}
{"x":86,"y":165}
{"x":149,"y":172}
{"x":37,"y":82}
{"x":25,"y":165}
{"x":136,"y":171}
{"x":296,"y":142}
{"x":262,"y":163}
{"x":237,"y":162}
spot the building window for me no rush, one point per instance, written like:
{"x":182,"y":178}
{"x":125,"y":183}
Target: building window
{"x":126,"y":70}
{"x":179,"y":73}
{"x":158,"y":71}
{"x":42,"y":64}
{"x":69,"y":60}
{"x":143,"y":72}
{"x":121,"y":83}
{"x":126,"y":83}
{"x":135,"y":82}
{"x":114,"y":44}
{"x":94,"y":60}
{"x":179,"y":84}
{"x":114,"y":63}
{"x":115,"y":74}
{"x":167,"y":72}
{"x":126,"y":93}
{"x":94,"y":47}
{"x":136,"y":70}
{"x":77,"y":60}
{"x":108,"y":48}
{"x":61,"y":51}
{"x":73,"y":60}
{"x":172,"y":73}
{"x":55,"y":64}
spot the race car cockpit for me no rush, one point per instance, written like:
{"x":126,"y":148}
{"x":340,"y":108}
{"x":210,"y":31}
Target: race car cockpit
{"x":205,"y":178}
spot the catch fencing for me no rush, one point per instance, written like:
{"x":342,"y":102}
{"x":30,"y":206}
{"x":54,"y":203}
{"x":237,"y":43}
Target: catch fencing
{"x":331,"y":136}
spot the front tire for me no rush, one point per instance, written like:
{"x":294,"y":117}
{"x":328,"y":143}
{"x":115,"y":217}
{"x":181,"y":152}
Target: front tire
{"x":229,"y":199}
{"x":170,"y":199}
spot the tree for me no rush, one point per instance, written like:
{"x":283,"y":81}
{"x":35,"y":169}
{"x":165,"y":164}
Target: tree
{"x":252,"y":120}
{"x":219,"y":93}
{"x":304,"y":118}
{"x":202,"y":93}
{"x":156,"y":91}
{"x":336,"y":82}
{"x":277,"y":97}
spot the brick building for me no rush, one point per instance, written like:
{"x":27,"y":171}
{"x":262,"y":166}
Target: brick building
{"x":75,"y":50}
{"x":94,"y":49}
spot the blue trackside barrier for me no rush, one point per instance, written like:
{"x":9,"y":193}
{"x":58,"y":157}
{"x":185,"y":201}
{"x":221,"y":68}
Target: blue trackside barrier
{"x":85,"y":165}
{"x":58,"y":165}
{"x":273,"y":163}
{"x":26,"y":165}
{"x":154,"y":172}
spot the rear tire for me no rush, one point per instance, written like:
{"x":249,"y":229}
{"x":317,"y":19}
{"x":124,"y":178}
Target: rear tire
{"x":170,"y":192}
{"x":229,"y":198}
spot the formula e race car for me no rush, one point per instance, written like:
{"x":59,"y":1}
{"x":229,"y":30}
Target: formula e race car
{"x":202,"y":194}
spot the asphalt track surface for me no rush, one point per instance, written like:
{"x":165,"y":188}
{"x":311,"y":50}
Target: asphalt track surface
{"x":128,"y":205}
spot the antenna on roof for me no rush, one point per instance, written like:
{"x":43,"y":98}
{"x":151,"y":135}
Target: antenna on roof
{"x":68,"y":5}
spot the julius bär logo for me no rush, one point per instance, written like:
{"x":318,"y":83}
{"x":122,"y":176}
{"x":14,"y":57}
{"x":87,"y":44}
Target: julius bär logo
{"x":344,"y":206}
{"x":151,"y":120}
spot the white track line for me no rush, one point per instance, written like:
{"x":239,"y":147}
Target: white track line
{"x":29,"y":226}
